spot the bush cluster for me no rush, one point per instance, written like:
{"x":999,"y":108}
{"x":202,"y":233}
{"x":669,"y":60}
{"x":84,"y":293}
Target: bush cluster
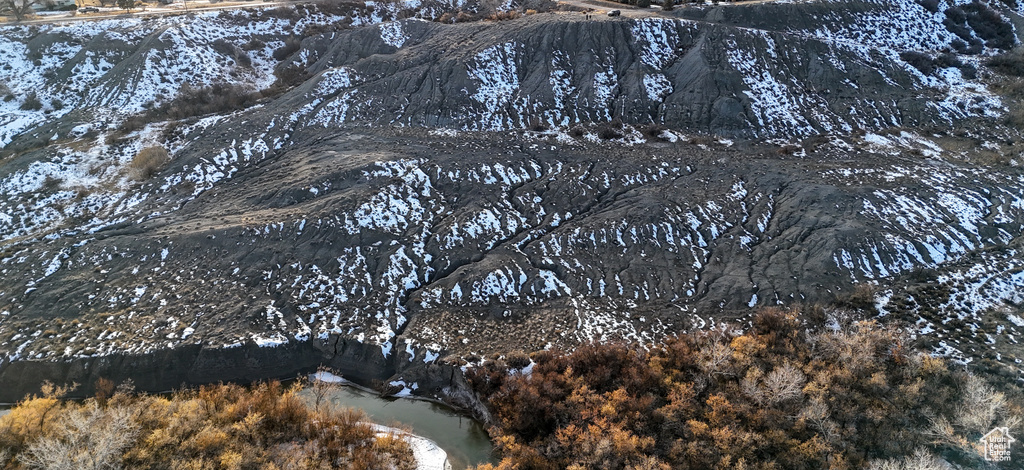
{"x":240,"y":56}
{"x":611,"y":130}
{"x":988,"y":24}
{"x":1010,"y":63}
{"x":504,"y":15}
{"x":928,"y":64}
{"x":458,"y":17}
{"x":291,"y":46}
{"x":219,"y":98}
{"x":31,"y":103}
{"x":667,"y":5}
{"x":930,"y":5}
{"x":264,"y":427}
{"x":776,"y":397}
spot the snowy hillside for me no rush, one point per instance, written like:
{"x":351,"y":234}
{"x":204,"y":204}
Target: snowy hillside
{"x":422,"y":188}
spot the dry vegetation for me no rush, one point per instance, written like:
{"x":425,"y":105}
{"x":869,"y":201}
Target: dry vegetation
{"x":264,"y":427}
{"x":219,"y":98}
{"x":148,"y":161}
{"x":775,"y":397}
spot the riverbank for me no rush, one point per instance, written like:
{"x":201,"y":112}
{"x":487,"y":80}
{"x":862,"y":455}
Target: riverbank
{"x":159,"y":371}
{"x":428,"y":455}
{"x":437,"y":433}
{"x":465,"y":440}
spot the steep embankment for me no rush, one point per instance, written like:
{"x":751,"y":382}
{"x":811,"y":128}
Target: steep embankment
{"x":360,"y":207}
{"x":694,"y":75}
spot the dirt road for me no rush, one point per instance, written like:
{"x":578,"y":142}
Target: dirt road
{"x":174,"y":9}
{"x":602,"y":6}
{"x":633,"y":11}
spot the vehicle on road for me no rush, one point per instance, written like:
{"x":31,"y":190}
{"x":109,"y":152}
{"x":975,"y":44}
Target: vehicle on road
{"x":614,"y":13}
{"x":89,"y":10}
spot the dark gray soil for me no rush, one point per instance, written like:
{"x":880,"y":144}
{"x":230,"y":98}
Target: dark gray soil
{"x":435,"y":191}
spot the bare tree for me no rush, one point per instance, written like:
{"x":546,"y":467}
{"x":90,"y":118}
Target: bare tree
{"x":90,"y":438}
{"x":715,"y":352}
{"x":942,"y":433}
{"x":321,"y":388}
{"x":21,"y":9}
{"x":818,"y":416}
{"x":751,"y":385}
{"x":980,"y":405}
{"x":784,"y":383}
{"x":921,"y":460}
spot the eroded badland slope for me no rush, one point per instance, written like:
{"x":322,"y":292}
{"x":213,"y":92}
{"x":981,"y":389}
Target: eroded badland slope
{"x":375,"y":193}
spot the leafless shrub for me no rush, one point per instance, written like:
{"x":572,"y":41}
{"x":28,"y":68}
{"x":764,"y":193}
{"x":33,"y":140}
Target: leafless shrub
{"x":941,"y":432}
{"x":57,"y":391}
{"x":862,"y":298}
{"x":609,"y":132}
{"x":291,"y":45}
{"x":322,"y":389}
{"x":921,"y":460}
{"x":104,"y":390}
{"x":980,"y":405}
{"x":816,"y":413}
{"x":90,"y":438}
{"x":504,"y":15}
{"x":654,"y":131}
{"x":31,"y":103}
{"x":784,"y":383}
{"x":751,"y":385}
{"x":193,"y":101}
{"x":714,"y":358}
{"x":254,"y":44}
{"x":536,"y":124}
{"x":225,"y":47}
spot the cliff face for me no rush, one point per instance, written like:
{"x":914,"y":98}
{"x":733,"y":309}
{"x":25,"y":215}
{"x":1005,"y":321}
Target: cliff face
{"x":431,"y":189}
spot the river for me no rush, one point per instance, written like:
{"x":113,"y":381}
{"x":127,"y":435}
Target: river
{"x":462,"y":438}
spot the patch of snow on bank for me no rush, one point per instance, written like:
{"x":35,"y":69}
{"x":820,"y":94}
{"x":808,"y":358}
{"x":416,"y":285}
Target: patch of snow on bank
{"x":428,"y":455}
{"x":324,"y":376}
